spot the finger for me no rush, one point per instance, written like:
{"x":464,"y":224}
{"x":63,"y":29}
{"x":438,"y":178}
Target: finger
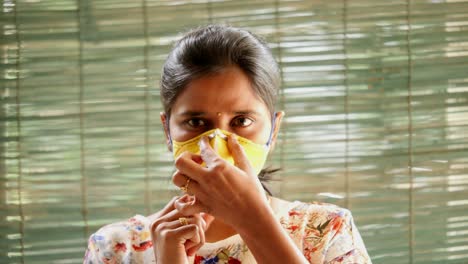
{"x":169,"y":217}
{"x":207,"y":153}
{"x":191,"y":251}
{"x":194,"y":220}
{"x":169,"y":231}
{"x":185,"y":200}
{"x":176,"y":223}
{"x":195,"y":206}
{"x":188,"y":167}
{"x":192,"y":240}
{"x":200,"y":221}
{"x":185,"y":233}
{"x":179,"y":179}
{"x":208,"y":219}
{"x":185,"y":184}
{"x":195,"y":157}
{"x":238,"y":153}
{"x":167,"y":208}
{"x":191,"y":246}
{"x":190,"y":186}
{"x":189,"y":200}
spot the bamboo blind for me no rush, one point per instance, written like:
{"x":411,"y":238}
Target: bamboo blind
{"x":375,"y":95}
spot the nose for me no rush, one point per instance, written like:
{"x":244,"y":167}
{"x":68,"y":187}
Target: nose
{"x":217,"y":132}
{"x":222,"y":121}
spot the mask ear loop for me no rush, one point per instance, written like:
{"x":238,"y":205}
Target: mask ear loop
{"x":168,"y":132}
{"x":273,"y":124}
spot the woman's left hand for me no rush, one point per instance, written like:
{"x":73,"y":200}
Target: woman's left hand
{"x":228,"y":192}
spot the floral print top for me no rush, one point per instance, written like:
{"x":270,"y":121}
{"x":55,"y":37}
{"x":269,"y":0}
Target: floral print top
{"x":325,"y":233}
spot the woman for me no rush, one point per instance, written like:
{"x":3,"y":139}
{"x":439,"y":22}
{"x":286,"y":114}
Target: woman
{"x":218,"y":89}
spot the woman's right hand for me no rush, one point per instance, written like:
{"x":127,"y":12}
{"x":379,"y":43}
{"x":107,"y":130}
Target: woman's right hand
{"x":174,"y":240}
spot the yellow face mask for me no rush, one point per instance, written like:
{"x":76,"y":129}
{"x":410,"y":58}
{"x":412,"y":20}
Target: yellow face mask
{"x":256,"y":153}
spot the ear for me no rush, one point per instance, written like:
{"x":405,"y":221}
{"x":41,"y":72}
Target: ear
{"x":165,"y":124}
{"x":278,"y":117}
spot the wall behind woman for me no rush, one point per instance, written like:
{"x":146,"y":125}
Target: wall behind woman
{"x":375,"y":94}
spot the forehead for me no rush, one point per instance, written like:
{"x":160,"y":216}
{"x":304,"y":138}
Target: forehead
{"x":227,"y":91}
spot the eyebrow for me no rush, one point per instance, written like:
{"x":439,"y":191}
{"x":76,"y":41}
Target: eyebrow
{"x":192,"y":113}
{"x":201,"y":113}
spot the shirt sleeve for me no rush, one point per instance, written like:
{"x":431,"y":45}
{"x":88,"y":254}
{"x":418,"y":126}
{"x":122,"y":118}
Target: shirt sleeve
{"x":122,"y":242}
{"x":90,"y":254}
{"x":346,"y":245}
{"x":326,"y":234}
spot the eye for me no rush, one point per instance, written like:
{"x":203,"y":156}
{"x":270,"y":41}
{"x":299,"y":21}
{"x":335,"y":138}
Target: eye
{"x":241,"y":121}
{"x":195,"y":122}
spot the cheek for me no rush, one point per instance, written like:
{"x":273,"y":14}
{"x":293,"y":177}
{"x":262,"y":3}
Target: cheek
{"x":176,"y":132}
{"x":181,"y":135}
{"x":260,"y":133}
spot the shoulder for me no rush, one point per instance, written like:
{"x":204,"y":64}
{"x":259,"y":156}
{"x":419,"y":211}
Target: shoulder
{"x":313,"y":219}
{"x":121,"y":242}
{"x":314,"y":213}
{"x":325,"y":232}
{"x":317,"y":211}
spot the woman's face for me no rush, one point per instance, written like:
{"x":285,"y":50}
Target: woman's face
{"x":224,"y":100}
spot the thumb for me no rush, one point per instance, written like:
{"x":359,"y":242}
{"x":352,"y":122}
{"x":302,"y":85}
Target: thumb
{"x":207,"y":153}
{"x":208,"y":219}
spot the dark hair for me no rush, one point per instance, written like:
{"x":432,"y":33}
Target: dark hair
{"x":209,"y":50}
